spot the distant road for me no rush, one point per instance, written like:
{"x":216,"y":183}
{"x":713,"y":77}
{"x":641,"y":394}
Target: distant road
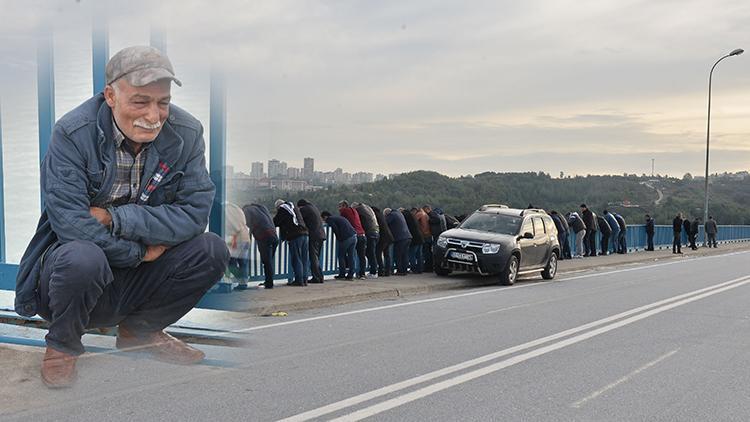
{"x":664,"y":342}
{"x":659,"y":193}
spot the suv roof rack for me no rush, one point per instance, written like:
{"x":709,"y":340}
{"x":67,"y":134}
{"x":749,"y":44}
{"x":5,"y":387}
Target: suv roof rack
{"x":486,"y":206}
{"x":538,"y":210}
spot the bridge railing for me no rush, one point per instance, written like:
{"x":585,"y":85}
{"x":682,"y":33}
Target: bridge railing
{"x":636,"y":238}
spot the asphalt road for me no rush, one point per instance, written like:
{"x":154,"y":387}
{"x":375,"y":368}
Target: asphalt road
{"x":664,"y":342}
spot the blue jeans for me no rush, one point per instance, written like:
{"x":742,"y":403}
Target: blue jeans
{"x":372,"y":252}
{"x":615,"y":241}
{"x":415,"y":258}
{"x":298,"y":257}
{"x":346,"y":250}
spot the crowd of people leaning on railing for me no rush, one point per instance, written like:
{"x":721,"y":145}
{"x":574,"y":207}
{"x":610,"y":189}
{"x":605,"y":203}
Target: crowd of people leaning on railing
{"x":401,"y":239}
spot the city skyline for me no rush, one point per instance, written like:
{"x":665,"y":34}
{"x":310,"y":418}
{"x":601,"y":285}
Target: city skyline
{"x":281,"y":169}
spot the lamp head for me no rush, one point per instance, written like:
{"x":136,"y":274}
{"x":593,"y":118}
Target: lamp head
{"x":736,"y":52}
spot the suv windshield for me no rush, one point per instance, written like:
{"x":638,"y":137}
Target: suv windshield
{"x":491,"y":222}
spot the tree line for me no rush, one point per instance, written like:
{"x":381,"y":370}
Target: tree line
{"x":629,"y":195}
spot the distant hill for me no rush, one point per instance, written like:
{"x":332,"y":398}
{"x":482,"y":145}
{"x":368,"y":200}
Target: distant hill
{"x":630,"y":195}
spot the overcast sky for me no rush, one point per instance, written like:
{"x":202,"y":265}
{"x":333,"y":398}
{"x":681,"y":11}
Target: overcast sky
{"x":459,"y":87}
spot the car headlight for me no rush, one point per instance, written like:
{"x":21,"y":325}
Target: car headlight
{"x":489,"y":248}
{"x":442,"y":241}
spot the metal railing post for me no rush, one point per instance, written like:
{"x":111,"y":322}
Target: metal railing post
{"x":217,"y":159}
{"x":2,"y":195}
{"x":45,"y":78}
{"x":99,"y":51}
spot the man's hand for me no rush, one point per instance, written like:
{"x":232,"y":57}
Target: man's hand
{"x":103,"y":216}
{"x":153,"y":252}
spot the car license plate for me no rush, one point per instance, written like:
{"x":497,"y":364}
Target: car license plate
{"x":462,"y":256}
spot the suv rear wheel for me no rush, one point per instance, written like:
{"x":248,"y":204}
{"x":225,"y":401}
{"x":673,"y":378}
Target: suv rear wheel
{"x":551,"y":269}
{"x":508,"y":276}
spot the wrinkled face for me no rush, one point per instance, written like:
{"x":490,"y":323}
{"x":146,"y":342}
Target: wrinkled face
{"x":140,"y":111}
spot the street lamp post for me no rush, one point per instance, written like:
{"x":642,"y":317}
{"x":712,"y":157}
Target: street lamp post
{"x":736,"y":52}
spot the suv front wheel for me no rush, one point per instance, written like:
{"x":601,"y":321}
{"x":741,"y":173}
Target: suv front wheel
{"x":508,"y":276}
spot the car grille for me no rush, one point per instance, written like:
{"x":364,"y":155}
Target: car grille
{"x":472,"y":246}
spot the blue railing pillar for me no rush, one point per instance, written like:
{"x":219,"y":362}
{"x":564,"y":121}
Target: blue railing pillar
{"x":45,"y":80}
{"x":99,"y":51}
{"x":2,"y":195}
{"x":217,"y":150}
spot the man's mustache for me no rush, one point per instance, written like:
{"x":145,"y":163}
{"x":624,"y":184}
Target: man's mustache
{"x":146,"y":125}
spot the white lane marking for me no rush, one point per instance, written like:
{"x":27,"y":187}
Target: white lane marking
{"x":626,"y":378}
{"x":343,"y":404}
{"x":469,"y":376}
{"x":460,"y":295}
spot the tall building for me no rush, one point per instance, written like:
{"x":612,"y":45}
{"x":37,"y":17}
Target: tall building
{"x":308,"y":171}
{"x":282,"y":168}
{"x":362,"y":177}
{"x":293,"y":173}
{"x":256,"y":170}
{"x":274,"y":169}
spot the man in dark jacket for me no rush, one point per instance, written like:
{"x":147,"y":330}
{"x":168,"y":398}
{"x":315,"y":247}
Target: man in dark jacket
{"x":317,"y":235}
{"x":676,"y":230}
{"x":622,"y":241}
{"x":711,"y":230}
{"x":259,"y":220}
{"x":401,"y":239}
{"x":615,"y":227}
{"x":353,"y":216}
{"x":415,"y":246}
{"x":121,"y":240}
{"x":346,"y":239}
{"x":562,"y":234}
{"x":579,"y":229}
{"x":686,"y":230}
{"x":437,"y":224}
{"x":694,"y":227}
{"x":589,"y":241}
{"x":385,"y":263}
{"x":650,"y":233}
{"x":293,"y":230}
{"x":606,"y":231}
{"x":372,"y":234}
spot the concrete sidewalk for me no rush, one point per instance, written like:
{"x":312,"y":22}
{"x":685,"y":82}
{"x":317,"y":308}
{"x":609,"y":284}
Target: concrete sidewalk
{"x":258,"y":301}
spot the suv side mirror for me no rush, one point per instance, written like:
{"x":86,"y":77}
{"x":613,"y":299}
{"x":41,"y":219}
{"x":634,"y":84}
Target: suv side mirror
{"x":526,"y":235}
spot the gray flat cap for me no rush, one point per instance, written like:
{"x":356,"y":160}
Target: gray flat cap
{"x":140,"y":65}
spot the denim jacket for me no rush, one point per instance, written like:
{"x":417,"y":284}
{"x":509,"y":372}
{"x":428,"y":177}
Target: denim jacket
{"x":78,"y":172}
